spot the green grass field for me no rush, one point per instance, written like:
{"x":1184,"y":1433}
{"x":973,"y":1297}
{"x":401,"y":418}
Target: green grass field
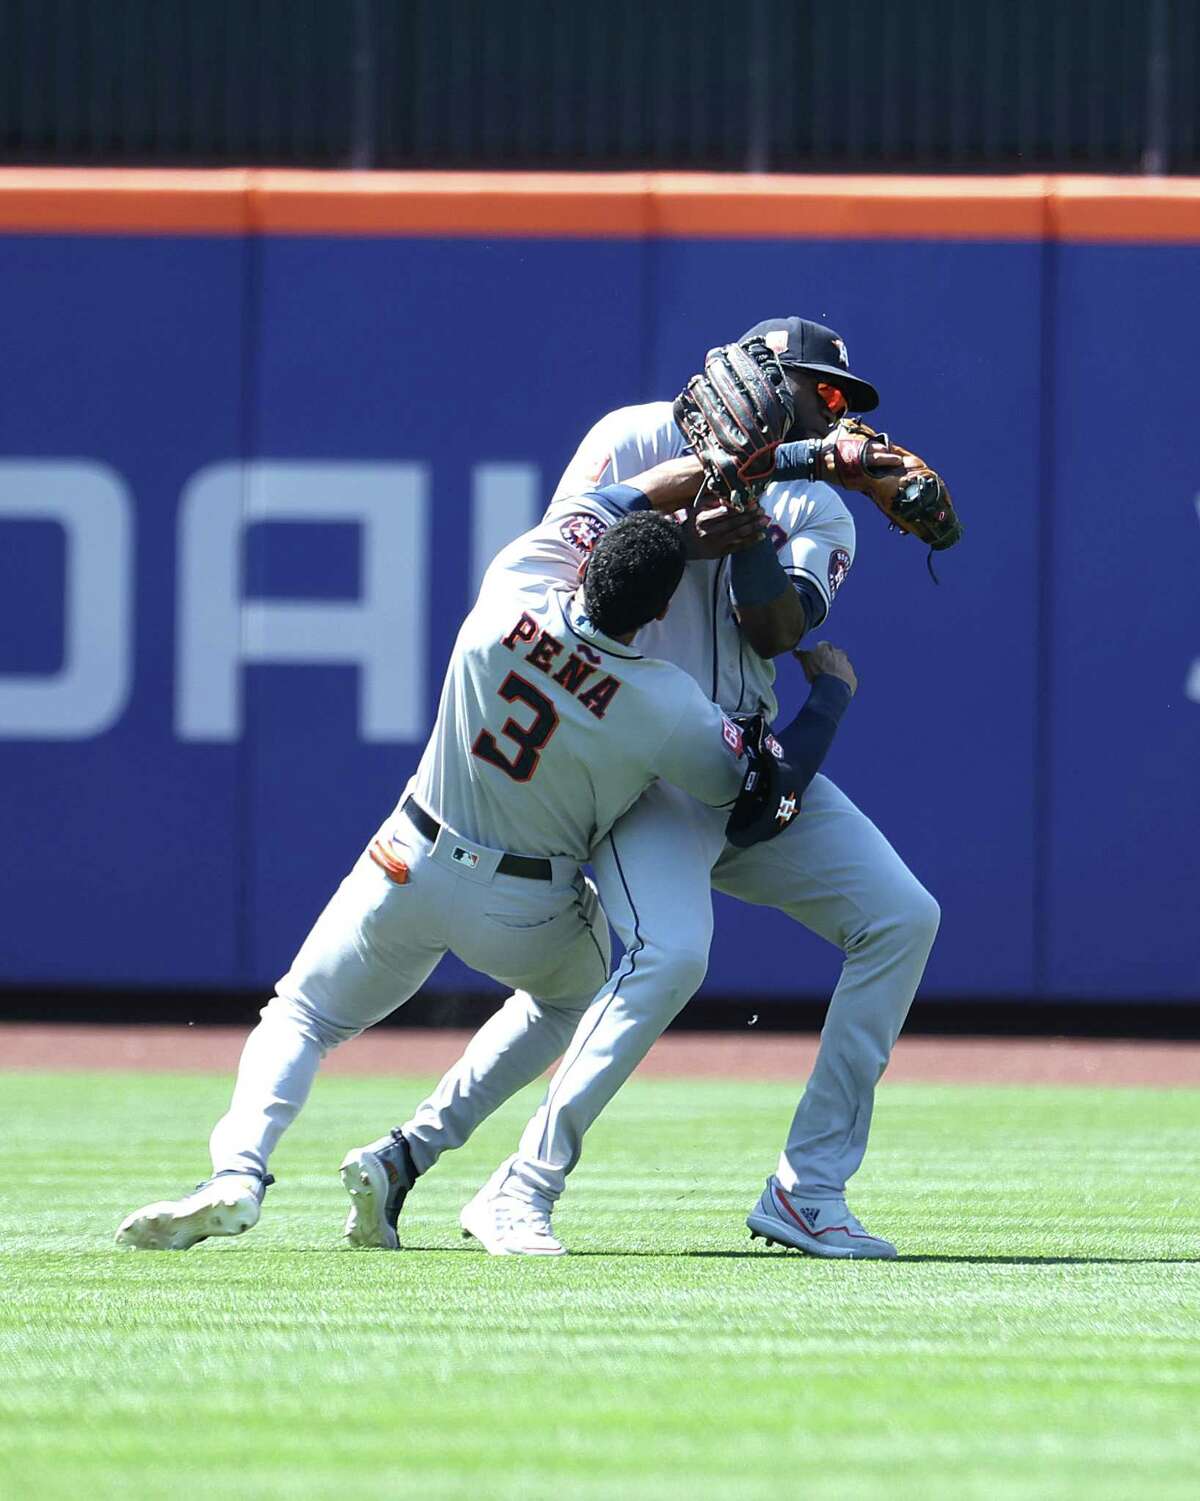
{"x":1039,"y":1338}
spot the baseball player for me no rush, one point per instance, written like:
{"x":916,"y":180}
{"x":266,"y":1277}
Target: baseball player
{"x":832,"y":869}
{"x":550,"y":725}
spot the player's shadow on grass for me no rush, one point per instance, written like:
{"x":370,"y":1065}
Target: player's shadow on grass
{"x":948,"y":1260}
{"x":799,"y":1257}
{"x":1058,"y":1260}
{"x":661,"y":1255}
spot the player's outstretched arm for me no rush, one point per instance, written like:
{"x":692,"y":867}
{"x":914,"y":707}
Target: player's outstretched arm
{"x":668,"y":487}
{"x":671,"y":485}
{"x":675,"y":485}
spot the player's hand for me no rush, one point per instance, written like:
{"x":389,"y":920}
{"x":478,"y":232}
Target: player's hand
{"x":830,"y":660}
{"x":714,"y":531}
{"x":881,"y":457}
{"x":878,"y":458}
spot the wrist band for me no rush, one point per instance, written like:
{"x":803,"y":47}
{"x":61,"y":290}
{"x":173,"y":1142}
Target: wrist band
{"x":797,"y":460}
{"x":757,"y":575}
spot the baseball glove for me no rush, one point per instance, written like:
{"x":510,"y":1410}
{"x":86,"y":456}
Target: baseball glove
{"x":768,"y":802}
{"x":734,"y":416}
{"x":914,"y":499}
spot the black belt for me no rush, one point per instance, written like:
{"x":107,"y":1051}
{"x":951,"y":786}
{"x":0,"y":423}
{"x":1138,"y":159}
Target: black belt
{"x":510,"y":865}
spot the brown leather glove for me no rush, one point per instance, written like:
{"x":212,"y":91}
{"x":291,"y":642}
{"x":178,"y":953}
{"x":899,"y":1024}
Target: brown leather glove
{"x":913,"y":498}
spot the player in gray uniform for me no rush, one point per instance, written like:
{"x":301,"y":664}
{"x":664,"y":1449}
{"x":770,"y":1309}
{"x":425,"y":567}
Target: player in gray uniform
{"x":550,"y":725}
{"x":832,"y":870}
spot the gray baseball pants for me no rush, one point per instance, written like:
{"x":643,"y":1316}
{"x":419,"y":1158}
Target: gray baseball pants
{"x":375,"y":945}
{"x":832,"y":870}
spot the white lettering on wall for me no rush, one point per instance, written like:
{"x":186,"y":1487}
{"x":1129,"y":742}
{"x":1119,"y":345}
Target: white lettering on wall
{"x":505,"y":501}
{"x":88,"y":693}
{"x":382,"y":633}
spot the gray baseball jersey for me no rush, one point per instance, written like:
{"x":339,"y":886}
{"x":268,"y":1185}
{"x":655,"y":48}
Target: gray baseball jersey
{"x":548,"y":730}
{"x":811,"y":528}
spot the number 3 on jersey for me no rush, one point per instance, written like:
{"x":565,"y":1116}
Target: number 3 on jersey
{"x":530,"y":740}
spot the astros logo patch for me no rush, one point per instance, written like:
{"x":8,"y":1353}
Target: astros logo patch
{"x":786,"y":810}
{"x":582,"y":531}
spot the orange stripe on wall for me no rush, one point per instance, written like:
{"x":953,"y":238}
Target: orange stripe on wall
{"x":632,"y":205}
{"x":598,"y":205}
{"x":64,"y":200}
{"x":871,"y":208}
{"x":1126,"y":210}
{"x":469,"y":204}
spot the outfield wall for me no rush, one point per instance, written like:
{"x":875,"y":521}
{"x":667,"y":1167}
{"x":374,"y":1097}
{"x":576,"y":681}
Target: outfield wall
{"x":260,"y":431}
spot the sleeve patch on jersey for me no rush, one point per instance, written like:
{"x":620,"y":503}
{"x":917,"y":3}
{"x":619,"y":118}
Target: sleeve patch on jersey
{"x":582,"y":530}
{"x":732,"y":736}
{"x":839,"y":567}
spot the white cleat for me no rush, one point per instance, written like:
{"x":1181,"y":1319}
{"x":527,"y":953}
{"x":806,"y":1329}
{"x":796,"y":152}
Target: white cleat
{"x":225,"y":1205}
{"x":506,"y":1226}
{"x":378,"y":1179}
{"x":364,"y":1179}
{"x":819,"y":1227}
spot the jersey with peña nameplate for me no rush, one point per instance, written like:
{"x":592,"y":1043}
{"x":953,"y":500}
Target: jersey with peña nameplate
{"x":811,"y":529}
{"x":548,"y":730}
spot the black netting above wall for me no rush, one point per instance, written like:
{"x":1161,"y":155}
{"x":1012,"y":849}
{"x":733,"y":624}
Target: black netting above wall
{"x":779,"y":85}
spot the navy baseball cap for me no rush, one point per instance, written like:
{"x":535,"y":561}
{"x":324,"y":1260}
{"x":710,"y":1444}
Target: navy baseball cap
{"x":815,"y":348}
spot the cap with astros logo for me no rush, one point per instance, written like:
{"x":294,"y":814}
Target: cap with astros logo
{"x":813,"y":347}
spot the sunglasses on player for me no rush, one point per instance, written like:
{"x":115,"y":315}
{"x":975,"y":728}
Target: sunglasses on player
{"x":833,"y":400}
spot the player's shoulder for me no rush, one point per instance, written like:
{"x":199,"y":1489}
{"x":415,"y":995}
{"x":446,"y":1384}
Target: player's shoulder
{"x":548,"y":555}
{"x":807,"y":505}
{"x":623,"y":442}
{"x":647,"y":423}
{"x":642,"y":414}
{"x":515,"y":579}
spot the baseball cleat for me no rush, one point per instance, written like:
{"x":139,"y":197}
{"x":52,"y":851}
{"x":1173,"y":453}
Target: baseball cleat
{"x":226,"y":1204}
{"x":505,"y":1226}
{"x":378,"y":1179}
{"x":819,"y":1227}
